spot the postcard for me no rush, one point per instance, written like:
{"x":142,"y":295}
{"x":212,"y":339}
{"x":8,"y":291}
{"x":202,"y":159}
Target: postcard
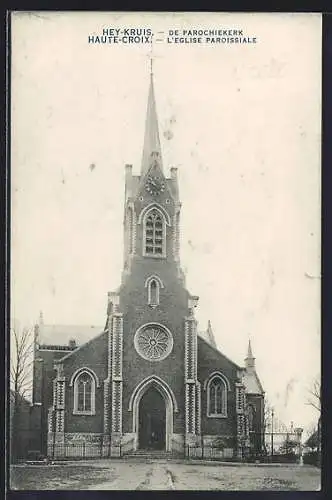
{"x":165,"y":251}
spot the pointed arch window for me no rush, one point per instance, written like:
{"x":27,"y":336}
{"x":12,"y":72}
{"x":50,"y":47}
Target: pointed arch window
{"x":154,"y":293}
{"x":84,"y":382}
{"x":153,"y":284}
{"x":154,"y":234}
{"x":217,"y":397}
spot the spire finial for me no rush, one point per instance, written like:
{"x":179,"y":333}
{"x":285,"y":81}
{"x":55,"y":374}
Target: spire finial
{"x":210,"y":335}
{"x":151,"y":144}
{"x":249,"y":355}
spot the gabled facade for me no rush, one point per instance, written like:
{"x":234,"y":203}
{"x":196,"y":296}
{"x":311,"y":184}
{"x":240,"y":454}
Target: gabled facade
{"x":147,"y":380}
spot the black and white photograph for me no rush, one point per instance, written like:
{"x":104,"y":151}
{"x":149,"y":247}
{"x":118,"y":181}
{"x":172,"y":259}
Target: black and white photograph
{"x":165,"y":321}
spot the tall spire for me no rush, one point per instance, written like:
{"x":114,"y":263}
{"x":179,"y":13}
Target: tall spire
{"x":151,"y":147}
{"x":250,"y":360}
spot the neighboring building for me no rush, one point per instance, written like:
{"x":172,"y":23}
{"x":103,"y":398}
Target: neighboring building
{"x":22,"y":437}
{"x":147,"y":380}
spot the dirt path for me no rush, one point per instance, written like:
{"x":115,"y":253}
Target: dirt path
{"x":163,"y":475}
{"x":154,"y":476}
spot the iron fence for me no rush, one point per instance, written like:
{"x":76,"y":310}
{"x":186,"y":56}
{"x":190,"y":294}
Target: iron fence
{"x":79,"y":450}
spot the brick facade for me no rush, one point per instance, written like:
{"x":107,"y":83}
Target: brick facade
{"x":120,"y":373}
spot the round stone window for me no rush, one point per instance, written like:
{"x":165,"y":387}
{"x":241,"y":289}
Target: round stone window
{"x":154,"y":342}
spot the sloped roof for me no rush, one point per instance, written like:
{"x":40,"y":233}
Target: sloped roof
{"x":205,"y":336}
{"x":209,"y":336}
{"x":252,"y":382}
{"x":62,"y":334}
{"x":218,"y":351}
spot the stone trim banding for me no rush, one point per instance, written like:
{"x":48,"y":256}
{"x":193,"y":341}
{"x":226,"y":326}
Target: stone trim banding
{"x":117,"y":355}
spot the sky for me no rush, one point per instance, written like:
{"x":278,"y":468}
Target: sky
{"x":242,"y":124}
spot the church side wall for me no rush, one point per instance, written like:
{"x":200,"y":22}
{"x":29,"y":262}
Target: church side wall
{"x":93,"y":355}
{"x":209,"y":360}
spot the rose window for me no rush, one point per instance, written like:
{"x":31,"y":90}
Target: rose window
{"x":153,"y":342}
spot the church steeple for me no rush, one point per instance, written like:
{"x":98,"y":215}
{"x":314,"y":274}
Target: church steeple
{"x":249,"y":360}
{"x":151,"y":147}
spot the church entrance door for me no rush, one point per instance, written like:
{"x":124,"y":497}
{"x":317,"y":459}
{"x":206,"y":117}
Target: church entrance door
{"x":152,"y":421}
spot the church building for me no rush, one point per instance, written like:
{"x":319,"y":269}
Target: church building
{"x":147,"y":380}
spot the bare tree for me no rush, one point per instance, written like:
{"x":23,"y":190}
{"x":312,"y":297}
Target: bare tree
{"x":21,"y":361}
{"x":315,"y":395}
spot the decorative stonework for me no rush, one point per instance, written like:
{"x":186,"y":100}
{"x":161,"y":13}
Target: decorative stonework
{"x":190,"y":374}
{"x":130,"y":227}
{"x":153,"y":342}
{"x":176,"y":236}
{"x":106,"y":406}
{"x":110,"y":347}
{"x":117,"y":346}
{"x":50,"y":420}
{"x":240,"y":395}
{"x":198,"y":407}
{"x":240,"y":418}
{"x":117,"y":350}
{"x":134,"y":233}
{"x":79,"y":437}
{"x":59,"y":398}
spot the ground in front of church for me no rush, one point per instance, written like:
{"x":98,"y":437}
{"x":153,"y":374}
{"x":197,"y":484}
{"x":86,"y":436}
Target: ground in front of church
{"x":163,"y":475}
